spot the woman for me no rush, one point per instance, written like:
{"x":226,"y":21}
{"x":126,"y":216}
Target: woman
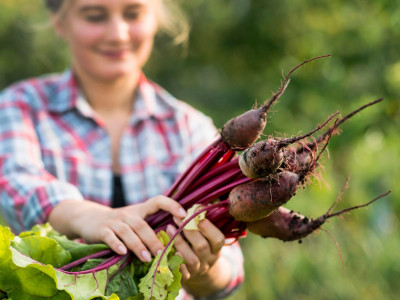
{"x":85,"y":149}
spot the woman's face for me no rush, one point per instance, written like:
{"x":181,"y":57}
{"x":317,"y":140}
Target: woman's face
{"x":109,"y":39}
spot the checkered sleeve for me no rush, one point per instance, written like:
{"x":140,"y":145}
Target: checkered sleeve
{"x":27,"y":191}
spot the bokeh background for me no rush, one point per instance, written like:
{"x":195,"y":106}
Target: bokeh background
{"x":237,"y":52}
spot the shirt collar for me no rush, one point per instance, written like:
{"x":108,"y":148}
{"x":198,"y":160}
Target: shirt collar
{"x":152,"y":101}
{"x":65,"y":93}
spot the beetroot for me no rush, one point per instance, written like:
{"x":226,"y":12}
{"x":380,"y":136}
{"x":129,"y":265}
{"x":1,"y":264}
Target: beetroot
{"x":262,"y":159}
{"x":244,"y":130}
{"x":266,"y":156}
{"x":255,"y":200}
{"x":287,"y":225}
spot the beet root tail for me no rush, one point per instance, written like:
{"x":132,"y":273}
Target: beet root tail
{"x":287,"y":225}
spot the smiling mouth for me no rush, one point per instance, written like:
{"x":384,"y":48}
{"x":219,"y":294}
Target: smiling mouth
{"x":115,"y":54}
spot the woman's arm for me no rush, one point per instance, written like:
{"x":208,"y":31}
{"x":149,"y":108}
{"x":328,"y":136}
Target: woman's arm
{"x":27,"y":191}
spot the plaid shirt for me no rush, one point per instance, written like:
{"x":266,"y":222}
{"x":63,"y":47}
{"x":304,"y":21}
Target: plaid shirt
{"x":53,"y":147}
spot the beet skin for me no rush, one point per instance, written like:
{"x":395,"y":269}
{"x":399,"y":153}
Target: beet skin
{"x":255,"y":200}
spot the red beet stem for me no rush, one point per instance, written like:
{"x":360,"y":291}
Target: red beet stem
{"x":214,"y":156}
{"x":192,"y":165}
{"x":163,"y":218}
{"x":84,"y":259}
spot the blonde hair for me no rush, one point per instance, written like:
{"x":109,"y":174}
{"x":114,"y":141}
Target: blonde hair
{"x":171,"y":19}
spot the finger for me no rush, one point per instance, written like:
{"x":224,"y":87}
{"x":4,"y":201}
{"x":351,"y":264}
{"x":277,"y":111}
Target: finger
{"x":183,"y":269}
{"x":109,"y":237}
{"x":215,"y":237}
{"x":198,"y":242}
{"x":181,"y":246}
{"x":146,"y":234}
{"x":160,"y":202}
{"x":131,"y":240}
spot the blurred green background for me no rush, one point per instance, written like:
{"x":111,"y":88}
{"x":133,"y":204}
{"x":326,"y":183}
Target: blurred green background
{"x":237,"y":52}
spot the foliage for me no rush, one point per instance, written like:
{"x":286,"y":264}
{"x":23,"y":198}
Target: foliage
{"x":163,"y":280}
{"x":30,"y":268}
{"x":236,"y":53}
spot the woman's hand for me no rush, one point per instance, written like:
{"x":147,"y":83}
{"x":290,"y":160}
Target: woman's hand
{"x":120,"y":228}
{"x":205,"y":270}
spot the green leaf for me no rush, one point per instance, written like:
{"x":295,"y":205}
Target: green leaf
{"x":163,"y":237}
{"x":156,"y":282}
{"x":123,"y":283}
{"x":22,"y":277}
{"x":194,"y":223}
{"x":161,"y":282}
{"x":174,"y":263}
{"x":30,"y":284}
{"x":6,"y":267}
{"x":76,"y":248}
{"x":137,"y":297}
{"x":50,"y":281}
{"x":17,"y":283}
{"x":27,"y":270}
{"x":42,"y":249}
{"x":40,"y":229}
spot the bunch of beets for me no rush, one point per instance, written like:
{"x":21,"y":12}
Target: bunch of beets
{"x":242,"y":183}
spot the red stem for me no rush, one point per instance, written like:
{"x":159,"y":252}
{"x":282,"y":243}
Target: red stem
{"x":231,"y":165}
{"x":214,"y":156}
{"x":105,"y":265}
{"x":223,"y":190}
{"x":194,"y":163}
{"x":209,"y":157}
{"x":84,"y":259}
{"x":211,"y":186}
{"x":210,"y":191}
{"x":204,"y":201}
